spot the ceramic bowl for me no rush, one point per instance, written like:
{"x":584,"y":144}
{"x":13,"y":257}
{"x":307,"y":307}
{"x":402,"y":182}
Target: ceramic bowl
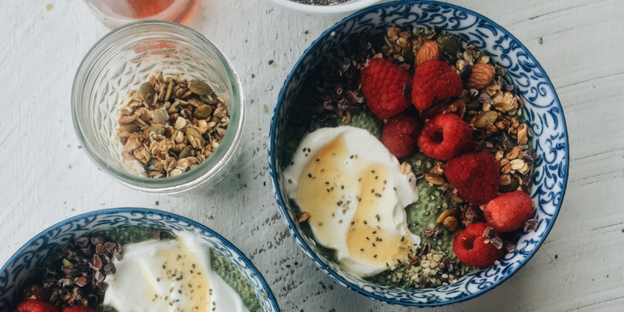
{"x":543,"y":113}
{"x":18,"y":269}
{"x":349,"y":6}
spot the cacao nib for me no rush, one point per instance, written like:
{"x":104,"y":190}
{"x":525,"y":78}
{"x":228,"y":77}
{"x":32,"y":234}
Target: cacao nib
{"x":96,"y":264}
{"x":109,"y":246}
{"x":530,"y":225}
{"x":81,"y":281}
{"x":157,"y":234}
{"x":96,"y":240}
{"x":109,"y":269}
{"x":489,"y":233}
{"x":428,"y":232}
{"x":102,"y":286}
{"x":82,"y":241}
{"x":99,"y":249}
{"x":509,"y":246}
{"x":497,"y":242}
{"x":465,"y":72}
{"x":64,"y":282}
{"x":118,"y":254}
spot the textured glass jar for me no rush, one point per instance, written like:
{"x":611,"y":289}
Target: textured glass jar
{"x":123,"y":60}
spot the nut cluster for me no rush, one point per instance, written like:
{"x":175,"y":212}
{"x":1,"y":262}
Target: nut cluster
{"x":171,"y":125}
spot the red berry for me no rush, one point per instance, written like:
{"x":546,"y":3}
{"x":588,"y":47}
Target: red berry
{"x":472,"y":248}
{"x":445,"y":136}
{"x":384,"y":85}
{"x":79,"y":309}
{"x":400,"y":134}
{"x":434,"y":81}
{"x":475,"y":176}
{"x":35,"y":306}
{"x":509,"y":211}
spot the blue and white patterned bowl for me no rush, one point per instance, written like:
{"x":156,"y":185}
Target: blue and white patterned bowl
{"x":543,"y":112}
{"x":16,"y":271}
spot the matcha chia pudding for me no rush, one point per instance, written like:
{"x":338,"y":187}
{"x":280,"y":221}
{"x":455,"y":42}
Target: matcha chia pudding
{"x":136,"y":269}
{"x":409,"y":158}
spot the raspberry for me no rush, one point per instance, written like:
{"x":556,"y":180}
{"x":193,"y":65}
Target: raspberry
{"x":509,"y":211}
{"x":470,"y":246}
{"x":35,"y":306}
{"x":445,"y":136}
{"x":434,"y":81}
{"x":384,"y":85}
{"x":475,"y":176}
{"x":79,"y":309}
{"x":400,"y":134}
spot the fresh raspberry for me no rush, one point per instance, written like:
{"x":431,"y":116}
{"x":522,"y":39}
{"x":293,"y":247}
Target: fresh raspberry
{"x":434,"y":81}
{"x":475,"y":176}
{"x":35,"y":306}
{"x":473,"y":248}
{"x":509,"y":211}
{"x":384,"y":85}
{"x":400,"y":134}
{"x":445,"y":136}
{"x":79,"y":309}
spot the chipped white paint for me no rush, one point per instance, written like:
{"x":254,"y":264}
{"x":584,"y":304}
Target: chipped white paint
{"x":46,"y":177}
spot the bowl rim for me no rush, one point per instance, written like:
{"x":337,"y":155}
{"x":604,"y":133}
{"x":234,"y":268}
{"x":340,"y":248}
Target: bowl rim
{"x":290,"y":224}
{"x":325,"y":9}
{"x":162,"y":213}
{"x":171,"y":185}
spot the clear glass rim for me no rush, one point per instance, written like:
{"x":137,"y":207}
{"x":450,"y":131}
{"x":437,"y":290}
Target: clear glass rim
{"x":118,"y":18}
{"x":192,"y":178}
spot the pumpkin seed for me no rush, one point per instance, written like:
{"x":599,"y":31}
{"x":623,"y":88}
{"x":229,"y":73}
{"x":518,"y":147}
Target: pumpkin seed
{"x":67,"y":264}
{"x":199,"y":87}
{"x":169,"y":90}
{"x":195,"y":138}
{"x":156,"y":129}
{"x":129,"y":128}
{"x":208,"y":99}
{"x":202,"y":112}
{"x":186,"y":152}
{"x":145,"y":91}
{"x":512,"y":186}
{"x":486,"y":119}
{"x":159,"y":117}
{"x":449,"y":44}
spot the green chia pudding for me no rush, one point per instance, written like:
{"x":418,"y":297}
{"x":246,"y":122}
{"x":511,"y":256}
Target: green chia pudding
{"x":332,"y":97}
{"x":104,"y":270}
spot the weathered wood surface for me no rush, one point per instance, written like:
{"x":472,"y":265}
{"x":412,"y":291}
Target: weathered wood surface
{"x":46,"y":177}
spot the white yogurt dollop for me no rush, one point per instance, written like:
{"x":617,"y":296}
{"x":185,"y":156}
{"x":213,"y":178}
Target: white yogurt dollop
{"x":356,"y":195}
{"x":174,"y":275}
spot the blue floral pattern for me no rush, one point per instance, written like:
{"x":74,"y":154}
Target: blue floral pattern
{"x":16,"y":271}
{"x":543,"y":113}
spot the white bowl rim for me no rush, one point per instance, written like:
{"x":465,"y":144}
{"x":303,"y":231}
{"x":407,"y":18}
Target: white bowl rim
{"x":280,"y":198}
{"x":170,"y":215}
{"x":326,"y":9}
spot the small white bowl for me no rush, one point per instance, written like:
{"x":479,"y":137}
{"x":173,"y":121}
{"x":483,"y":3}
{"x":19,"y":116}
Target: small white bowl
{"x":346,"y":7}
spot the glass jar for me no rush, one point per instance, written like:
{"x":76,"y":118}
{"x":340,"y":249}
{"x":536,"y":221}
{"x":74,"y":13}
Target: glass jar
{"x":122,"y":61}
{"x":114,"y":13}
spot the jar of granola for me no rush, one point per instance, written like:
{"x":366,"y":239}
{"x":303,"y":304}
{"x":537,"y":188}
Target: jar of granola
{"x":162,"y":55}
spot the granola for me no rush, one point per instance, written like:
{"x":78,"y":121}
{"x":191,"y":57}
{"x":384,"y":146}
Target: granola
{"x":170,"y":125}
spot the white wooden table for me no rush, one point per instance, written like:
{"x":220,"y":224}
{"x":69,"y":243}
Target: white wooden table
{"x":46,"y":177}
